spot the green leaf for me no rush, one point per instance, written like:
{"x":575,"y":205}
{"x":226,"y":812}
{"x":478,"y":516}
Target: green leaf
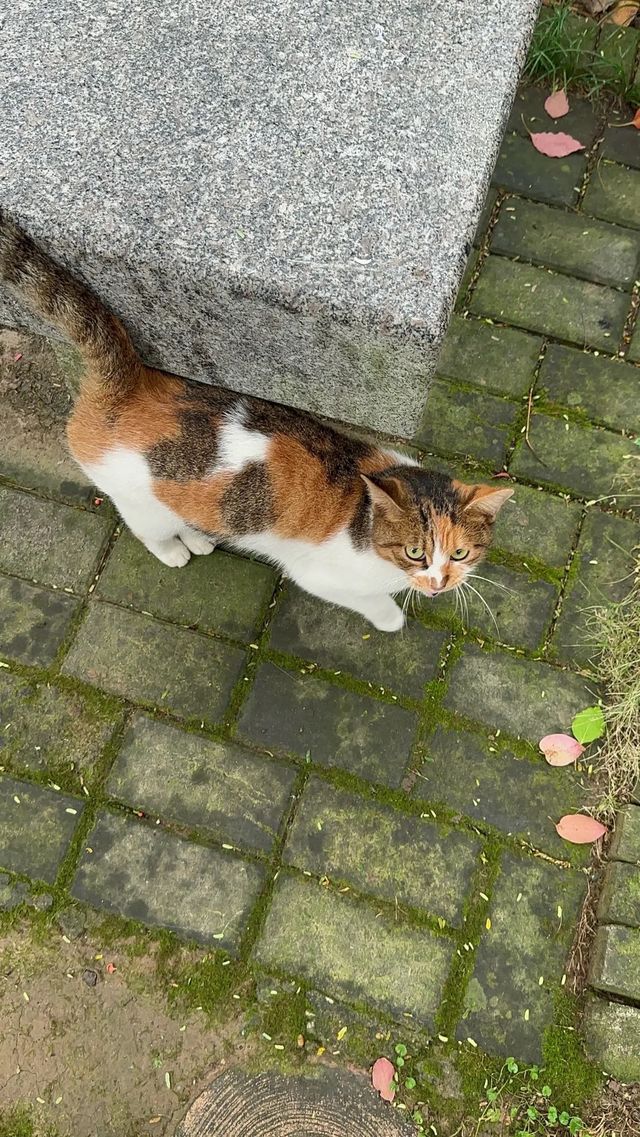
{"x":532,"y":1113}
{"x":512,"y":1066}
{"x":417,"y":1117}
{"x":564,"y":1118}
{"x":401,"y":1049}
{"x":546,"y":1091}
{"x":492,"y":1095}
{"x":400,"y":1061}
{"x":410,"y":1083}
{"x":588,"y":724}
{"x":552,"y":1114}
{"x":576,"y":1125}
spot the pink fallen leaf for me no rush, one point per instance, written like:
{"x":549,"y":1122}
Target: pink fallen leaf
{"x":580,"y":829}
{"x":560,"y":749}
{"x":382,"y":1076}
{"x":557,"y":105}
{"x":556,"y":145}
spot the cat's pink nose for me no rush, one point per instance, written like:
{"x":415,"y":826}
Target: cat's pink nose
{"x":435,"y":586}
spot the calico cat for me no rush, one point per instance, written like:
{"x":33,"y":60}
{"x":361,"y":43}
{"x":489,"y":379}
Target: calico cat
{"x":189,"y":465}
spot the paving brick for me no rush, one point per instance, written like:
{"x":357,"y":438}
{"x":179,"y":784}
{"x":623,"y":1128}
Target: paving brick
{"x":634,"y":349}
{"x":528,"y":113}
{"x":517,"y":610}
{"x":500,"y":359}
{"x":377,"y":850}
{"x":33,"y":622}
{"x":487,"y":782}
{"x":568,"y":242}
{"x":600,"y":576}
{"x":620,"y":143}
{"x":607,"y":390}
{"x":349,"y":951}
{"x":219,"y":592}
{"x":613,"y":193}
{"x":586,"y":461}
{"x":625,"y":845}
{"x":615,"y":961}
{"x":532,"y":912}
{"x":522,"y":169}
{"x":342,"y":640}
{"x":520,"y":696}
{"x":535,"y":524}
{"x":611,"y":1034}
{"x":36,"y":828}
{"x":329,"y":725}
{"x":542,"y":301}
{"x":210,"y":785}
{"x":467,"y":422}
{"x":51,"y":543}
{"x":43,"y":728}
{"x":485,"y":215}
{"x":142,"y":660}
{"x":620,"y":896}
{"x":616,"y":53}
{"x":146,"y":874}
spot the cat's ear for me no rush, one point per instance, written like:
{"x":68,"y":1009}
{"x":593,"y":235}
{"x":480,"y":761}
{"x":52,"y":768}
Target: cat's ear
{"x":484,"y":499}
{"x":388,"y":494}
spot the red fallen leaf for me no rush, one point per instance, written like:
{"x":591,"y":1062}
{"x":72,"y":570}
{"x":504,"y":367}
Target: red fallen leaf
{"x":560,"y":749}
{"x":501,"y":474}
{"x":98,"y":500}
{"x":635,"y":121}
{"x":557,"y":105}
{"x":580,"y":829}
{"x":382,"y":1075}
{"x":111,"y":968}
{"x":556,"y":145}
{"x":18,"y":357}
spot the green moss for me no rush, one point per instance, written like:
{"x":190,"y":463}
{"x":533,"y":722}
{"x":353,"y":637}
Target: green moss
{"x":574,"y":1079}
{"x":283,"y":1017}
{"x":18,"y":1122}
{"x":208,"y":984}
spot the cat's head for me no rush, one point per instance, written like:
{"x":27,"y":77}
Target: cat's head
{"x":430,"y":526}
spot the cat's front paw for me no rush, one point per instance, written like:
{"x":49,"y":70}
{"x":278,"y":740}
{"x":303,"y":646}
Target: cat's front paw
{"x":389,"y":621}
{"x":172,"y":553}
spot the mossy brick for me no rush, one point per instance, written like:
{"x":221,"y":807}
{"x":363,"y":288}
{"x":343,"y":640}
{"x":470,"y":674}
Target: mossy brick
{"x":519,"y":696}
{"x":220,"y":592}
{"x":620,"y":897}
{"x":45,"y":729}
{"x":615,"y":961}
{"x":33,"y":621}
{"x":634,"y":349}
{"x":485,"y":215}
{"x":611,"y":1033}
{"x":50,"y":543}
{"x":601,"y":575}
{"x":523,"y":170}
{"x":536,"y":524}
{"x":625,"y":845}
{"x":568,"y":242}
{"x":348,"y":950}
{"x":193,"y":781}
{"x":342,"y":641}
{"x":146,"y":874}
{"x":613,"y":194}
{"x":36,"y":828}
{"x":532,"y":919}
{"x":487,"y":782}
{"x":514,"y":609}
{"x":328,"y":725}
{"x":470,"y":423}
{"x":498,"y":359}
{"x":555,"y":305}
{"x":607,"y":390}
{"x":615,"y":54}
{"x":620,"y":143}
{"x":586,"y":461}
{"x":528,"y":114}
{"x":145,"y":661}
{"x":377,"y":850}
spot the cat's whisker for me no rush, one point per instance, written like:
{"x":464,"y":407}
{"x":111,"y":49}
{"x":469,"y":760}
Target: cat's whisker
{"x":496,"y":583}
{"x":483,"y":601}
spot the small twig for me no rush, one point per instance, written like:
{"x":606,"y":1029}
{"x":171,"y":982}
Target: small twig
{"x":527,"y":428}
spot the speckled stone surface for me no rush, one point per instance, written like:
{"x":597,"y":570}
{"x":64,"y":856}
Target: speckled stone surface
{"x":278,"y":200}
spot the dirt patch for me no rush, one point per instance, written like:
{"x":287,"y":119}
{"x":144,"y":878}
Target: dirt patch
{"x":107,"y":1058}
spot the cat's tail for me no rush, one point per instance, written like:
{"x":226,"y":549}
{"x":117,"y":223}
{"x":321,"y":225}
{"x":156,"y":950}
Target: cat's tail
{"x":53,"y":293}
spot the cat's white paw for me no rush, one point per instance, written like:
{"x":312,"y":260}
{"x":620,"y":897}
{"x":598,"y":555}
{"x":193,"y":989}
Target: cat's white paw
{"x":197,"y":542}
{"x":172,"y":553}
{"x":389,"y":621}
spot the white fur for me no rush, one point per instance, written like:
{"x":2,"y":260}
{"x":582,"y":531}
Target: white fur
{"x":237,"y":446}
{"x":333,"y":571}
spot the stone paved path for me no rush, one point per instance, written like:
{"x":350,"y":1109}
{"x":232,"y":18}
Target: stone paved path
{"x":365,"y":815}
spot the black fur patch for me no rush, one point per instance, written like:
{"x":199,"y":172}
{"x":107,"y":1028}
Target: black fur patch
{"x":193,"y":453}
{"x":428,"y":487}
{"x":360,"y":527}
{"x":247,"y":504}
{"x":340,"y":455}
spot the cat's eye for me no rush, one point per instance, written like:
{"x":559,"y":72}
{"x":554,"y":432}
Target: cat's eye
{"x":414,"y":552}
{"x":460,"y":555}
